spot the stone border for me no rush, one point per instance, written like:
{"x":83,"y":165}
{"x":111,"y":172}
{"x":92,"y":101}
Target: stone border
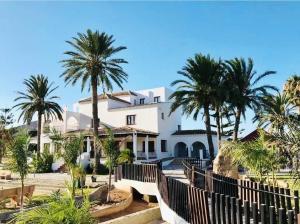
{"x":112,"y":209}
{"x":141,"y":217}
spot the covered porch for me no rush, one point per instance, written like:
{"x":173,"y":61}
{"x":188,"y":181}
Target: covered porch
{"x":142,"y":143}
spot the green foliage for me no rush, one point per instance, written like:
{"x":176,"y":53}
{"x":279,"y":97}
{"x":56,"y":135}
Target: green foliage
{"x":126,"y":156}
{"x":194,"y":92}
{"x":71,"y":150}
{"x":241,"y":81}
{"x":92,"y":61}
{"x":110,"y":149}
{"x":63,"y":210}
{"x":257,"y":156}
{"x":57,"y":139}
{"x":43,"y":164}
{"x":18,"y":149}
{"x":272,"y":110}
{"x":37,"y":98}
{"x":6,"y":117}
{"x":292,"y":89}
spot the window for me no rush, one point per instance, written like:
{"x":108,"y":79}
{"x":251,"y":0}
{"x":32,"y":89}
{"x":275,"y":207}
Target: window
{"x":129,"y":145}
{"x":142,"y":101}
{"x":130,"y":119}
{"x":162,"y":116}
{"x":150,"y":146}
{"x":163,"y":145}
{"x":179,"y":127}
{"x":134,"y":102}
{"x":156,"y":99}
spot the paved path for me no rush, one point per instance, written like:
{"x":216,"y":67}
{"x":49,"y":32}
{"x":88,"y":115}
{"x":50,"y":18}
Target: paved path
{"x":175,"y":172}
{"x":46,"y":183}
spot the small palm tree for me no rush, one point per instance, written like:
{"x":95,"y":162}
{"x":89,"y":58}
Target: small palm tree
{"x":196,"y":89}
{"x":292,"y":89}
{"x":244,"y":92}
{"x":110,"y":147}
{"x":273,"y":109}
{"x":72,"y":147}
{"x":18,"y":148}
{"x":37,"y":99}
{"x":92,"y":62}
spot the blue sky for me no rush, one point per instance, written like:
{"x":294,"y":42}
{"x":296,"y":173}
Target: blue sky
{"x":160,"y":36}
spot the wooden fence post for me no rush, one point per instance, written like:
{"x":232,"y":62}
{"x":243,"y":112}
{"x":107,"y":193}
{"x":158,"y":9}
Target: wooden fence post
{"x":193,"y":176}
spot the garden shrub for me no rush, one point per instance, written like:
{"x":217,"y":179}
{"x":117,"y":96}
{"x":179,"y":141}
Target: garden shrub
{"x":44,"y":163}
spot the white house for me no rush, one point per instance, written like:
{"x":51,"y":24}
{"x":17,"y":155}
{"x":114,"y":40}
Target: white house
{"x":139,"y":120}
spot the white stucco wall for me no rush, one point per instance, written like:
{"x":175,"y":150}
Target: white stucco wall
{"x":151,"y":189}
{"x":148,"y":117}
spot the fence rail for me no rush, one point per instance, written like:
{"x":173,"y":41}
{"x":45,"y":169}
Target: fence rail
{"x":215,"y":199}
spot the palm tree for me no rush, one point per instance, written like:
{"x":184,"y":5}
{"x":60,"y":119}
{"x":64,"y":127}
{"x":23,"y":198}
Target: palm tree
{"x":92,"y":62}
{"x":218,"y":100}
{"x":273,"y":109}
{"x":196,"y":89}
{"x":37,"y":99}
{"x":292,"y":89}
{"x":242,"y":82}
{"x":18,"y":148}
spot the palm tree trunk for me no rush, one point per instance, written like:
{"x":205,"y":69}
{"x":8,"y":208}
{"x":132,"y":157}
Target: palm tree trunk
{"x":237,"y":124}
{"x":109,"y":185}
{"x":22,"y":192}
{"x":95,"y":122}
{"x":39,"y":132}
{"x":208,"y":131}
{"x":218,"y":121}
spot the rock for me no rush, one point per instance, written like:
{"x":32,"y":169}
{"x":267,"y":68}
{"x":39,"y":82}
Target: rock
{"x":222,"y":165}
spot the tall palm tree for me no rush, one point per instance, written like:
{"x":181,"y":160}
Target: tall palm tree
{"x":292,"y":89}
{"x":196,"y":89}
{"x":273,"y":109}
{"x":218,"y":100}
{"x":37,"y":99}
{"x":242,"y":80}
{"x":92,"y":62}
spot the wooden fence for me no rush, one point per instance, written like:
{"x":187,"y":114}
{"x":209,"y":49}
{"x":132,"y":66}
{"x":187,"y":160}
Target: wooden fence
{"x":188,"y":202}
{"x":218,"y":201}
{"x":279,"y":202}
{"x":143,"y":173}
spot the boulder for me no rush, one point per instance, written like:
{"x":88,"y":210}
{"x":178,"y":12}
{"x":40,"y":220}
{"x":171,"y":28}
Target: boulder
{"x":223,"y":165}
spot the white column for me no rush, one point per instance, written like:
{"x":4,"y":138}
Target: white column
{"x":51,"y":150}
{"x":157,"y":149}
{"x":147,"y":147}
{"x":134,"y":142}
{"x":88,"y":145}
{"x":190,"y":151}
{"x":201,"y":153}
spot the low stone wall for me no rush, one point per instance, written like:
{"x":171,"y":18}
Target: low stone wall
{"x":15,"y":193}
{"x":112,"y":209}
{"x":141,"y":217}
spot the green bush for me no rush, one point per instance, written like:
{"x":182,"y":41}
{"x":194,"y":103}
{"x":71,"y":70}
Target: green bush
{"x":62,"y":210}
{"x":126,"y":156}
{"x":44,"y":163}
